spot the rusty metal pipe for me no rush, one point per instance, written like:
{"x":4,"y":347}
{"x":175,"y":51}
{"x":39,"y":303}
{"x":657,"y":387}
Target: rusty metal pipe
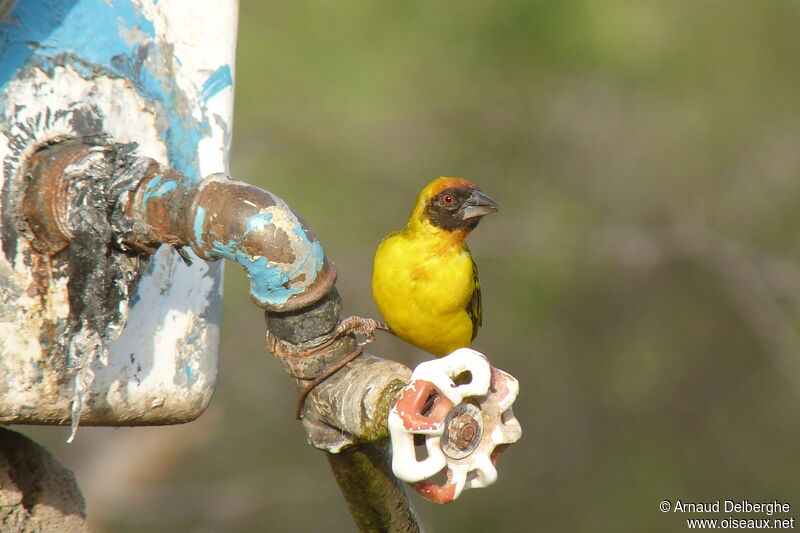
{"x":46,"y":201}
{"x":216,"y":217}
{"x":222,"y":218}
{"x":346,"y":415}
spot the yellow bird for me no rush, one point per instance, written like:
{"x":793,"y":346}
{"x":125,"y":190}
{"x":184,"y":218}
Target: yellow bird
{"x":424,"y":279}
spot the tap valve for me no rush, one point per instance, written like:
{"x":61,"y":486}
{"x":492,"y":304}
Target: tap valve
{"x":458,"y":408}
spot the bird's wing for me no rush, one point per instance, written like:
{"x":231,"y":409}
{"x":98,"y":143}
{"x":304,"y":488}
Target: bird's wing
{"x":474,"y":307}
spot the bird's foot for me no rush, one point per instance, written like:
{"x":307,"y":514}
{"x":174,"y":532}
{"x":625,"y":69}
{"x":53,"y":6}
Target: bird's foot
{"x":353,"y":324}
{"x":360,"y":326}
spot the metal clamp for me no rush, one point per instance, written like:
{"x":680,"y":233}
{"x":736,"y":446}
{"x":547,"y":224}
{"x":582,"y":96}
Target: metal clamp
{"x":459,"y":408}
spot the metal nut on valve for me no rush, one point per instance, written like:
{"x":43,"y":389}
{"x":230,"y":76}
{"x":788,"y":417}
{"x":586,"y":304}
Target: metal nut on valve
{"x":465,"y":427}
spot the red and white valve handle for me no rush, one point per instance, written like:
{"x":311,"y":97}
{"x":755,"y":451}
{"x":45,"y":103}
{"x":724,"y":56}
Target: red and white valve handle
{"x":465,"y":427}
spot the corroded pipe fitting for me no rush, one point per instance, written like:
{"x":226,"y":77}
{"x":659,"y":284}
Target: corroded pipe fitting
{"x":222,"y":218}
{"x":152,"y":205}
{"x":352,"y":403}
{"x":46,"y":202}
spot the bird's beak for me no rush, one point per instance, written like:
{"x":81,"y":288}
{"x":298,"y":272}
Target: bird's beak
{"x":477,"y":205}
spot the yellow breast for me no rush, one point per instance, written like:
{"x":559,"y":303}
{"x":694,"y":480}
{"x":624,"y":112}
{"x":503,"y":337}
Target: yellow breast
{"x":422,"y":285}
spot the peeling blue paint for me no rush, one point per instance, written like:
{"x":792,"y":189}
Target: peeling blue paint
{"x":188,"y":371}
{"x":113,"y":39}
{"x":257,"y":222}
{"x":267,"y":282}
{"x":220,"y":79}
{"x":314,"y":251}
{"x":199,"y":222}
{"x":46,"y":28}
{"x":157,"y":188}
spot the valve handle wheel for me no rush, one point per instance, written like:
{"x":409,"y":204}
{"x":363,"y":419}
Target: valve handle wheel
{"x":457,"y":409}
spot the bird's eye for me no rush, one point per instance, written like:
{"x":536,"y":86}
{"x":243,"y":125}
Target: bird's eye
{"x":448,"y":199}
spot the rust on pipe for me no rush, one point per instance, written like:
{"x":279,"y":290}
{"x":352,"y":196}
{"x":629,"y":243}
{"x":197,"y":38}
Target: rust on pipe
{"x":222,"y":218}
{"x":346,"y":415}
{"x":216,"y":217}
{"x":46,"y":202}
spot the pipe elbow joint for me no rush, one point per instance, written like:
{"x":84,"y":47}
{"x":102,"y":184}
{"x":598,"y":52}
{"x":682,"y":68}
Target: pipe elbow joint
{"x":222,"y":218}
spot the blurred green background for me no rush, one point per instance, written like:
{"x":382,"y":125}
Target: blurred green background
{"x":641,"y":279}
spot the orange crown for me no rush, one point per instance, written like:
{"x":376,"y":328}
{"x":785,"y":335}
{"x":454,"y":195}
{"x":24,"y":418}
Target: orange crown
{"x":442,"y":184}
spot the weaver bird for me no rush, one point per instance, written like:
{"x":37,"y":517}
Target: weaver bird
{"x":424,"y":279}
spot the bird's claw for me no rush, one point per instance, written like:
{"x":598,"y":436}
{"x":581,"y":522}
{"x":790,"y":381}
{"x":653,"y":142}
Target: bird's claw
{"x":360,"y":326}
{"x":353,"y":324}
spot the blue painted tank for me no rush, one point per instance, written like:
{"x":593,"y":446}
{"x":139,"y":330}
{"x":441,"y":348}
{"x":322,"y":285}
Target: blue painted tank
{"x":159,"y":74}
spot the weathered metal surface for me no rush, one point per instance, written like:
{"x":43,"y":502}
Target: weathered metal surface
{"x":46,"y":201}
{"x":346,"y":414}
{"x":71,"y":190}
{"x":222,"y":218}
{"x":158,"y":74}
